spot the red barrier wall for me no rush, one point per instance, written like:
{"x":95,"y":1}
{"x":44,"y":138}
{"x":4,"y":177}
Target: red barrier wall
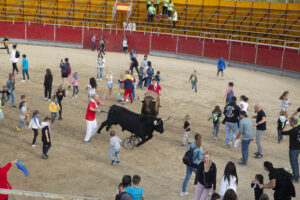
{"x":240,"y":52}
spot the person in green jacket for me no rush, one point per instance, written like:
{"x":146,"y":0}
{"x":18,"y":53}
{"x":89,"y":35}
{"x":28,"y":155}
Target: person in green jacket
{"x":170,"y":9}
{"x":156,"y":6}
{"x":165,"y":6}
{"x":148,"y":3}
{"x":151,"y":13}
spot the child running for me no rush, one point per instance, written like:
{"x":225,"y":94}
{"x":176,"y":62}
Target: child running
{"x":285,"y":102}
{"x":100,"y":66}
{"x":259,"y":180}
{"x":24,"y":111}
{"x":75,"y":85}
{"x":136,"y":191}
{"x":187,"y":129}
{"x":194,"y":79}
{"x":46,"y":137}
{"x":23,"y":100}
{"x":229,"y":92}
{"x":48,"y":84}
{"x":158,"y":77}
{"x":115,"y":144}
{"x":281,"y":123}
{"x":216,"y":115}
{"x":35,"y":125}
{"x":109,"y":86}
{"x":91,"y":88}
{"x":60,"y":95}
{"x":54,"y":108}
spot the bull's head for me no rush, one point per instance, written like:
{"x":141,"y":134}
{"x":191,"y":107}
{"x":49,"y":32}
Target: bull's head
{"x":159,"y":124}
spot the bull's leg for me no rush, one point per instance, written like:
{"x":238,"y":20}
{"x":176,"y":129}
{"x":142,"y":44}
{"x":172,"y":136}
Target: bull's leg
{"x":105,"y":123}
{"x":145,"y":139}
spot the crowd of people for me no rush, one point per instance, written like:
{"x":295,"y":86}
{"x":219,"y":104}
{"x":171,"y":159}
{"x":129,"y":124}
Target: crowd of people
{"x":239,"y":127}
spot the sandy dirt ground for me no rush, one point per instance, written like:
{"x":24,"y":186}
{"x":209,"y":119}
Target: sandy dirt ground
{"x":84,"y":169}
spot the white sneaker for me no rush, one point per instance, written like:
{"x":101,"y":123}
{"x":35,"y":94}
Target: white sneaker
{"x":73,"y":98}
{"x":49,"y":100}
{"x":45,"y":99}
{"x":222,"y":78}
{"x":217,"y":77}
{"x":100,"y":79}
{"x":183,"y":193}
{"x":28,"y":80}
{"x":215,"y":138}
{"x":22,"y":81}
{"x":97,"y":79}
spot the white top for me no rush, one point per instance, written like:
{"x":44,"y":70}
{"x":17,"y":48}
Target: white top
{"x":100,"y":62}
{"x":91,"y":91}
{"x":34,"y":123}
{"x":115,"y":142}
{"x":13,"y":56}
{"x":124,"y":43}
{"x":109,"y":78}
{"x":285,"y":104}
{"x":144,"y":64}
{"x":245,"y":106}
{"x":23,"y":113}
{"x":224,"y":186}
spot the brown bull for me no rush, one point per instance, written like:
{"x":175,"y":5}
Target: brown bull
{"x":150,"y":103}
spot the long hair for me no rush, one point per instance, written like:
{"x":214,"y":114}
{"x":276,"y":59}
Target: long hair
{"x":48,"y":72}
{"x":198,"y":140}
{"x":230,"y":195}
{"x":244,"y":98}
{"x":283,"y":95}
{"x":230,"y":170}
{"x":268,"y":165}
{"x":93,"y":82}
{"x":217,"y":110}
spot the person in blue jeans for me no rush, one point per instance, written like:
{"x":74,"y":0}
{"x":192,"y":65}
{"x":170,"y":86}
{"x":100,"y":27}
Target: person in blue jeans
{"x":194,"y":79}
{"x":231,"y":112}
{"x":216,"y":115}
{"x":294,"y":150}
{"x":115,"y":143}
{"x":149,"y":74}
{"x":10,"y":84}
{"x":197,"y":157}
{"x":247,"y":132}
{"x":221,"y":67}
{"x":25,"y":68}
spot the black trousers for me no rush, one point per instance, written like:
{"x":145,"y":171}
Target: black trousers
{"x":60,"y":111}
{"x":15,"y":67}
{"x":48,"y":93}
{"x":101,"y":49}
{"x":36,"y":133}
{"x":136,"y":68}
{"x":46,"y":147}
{"x":174,"y":24}
{"x":94,"y":46}
{"x":75,"y":91}
{"x":148,"y":5}
{"x":165,"y":10}
{"x":156,"y":6}
{"x":150,"y":18}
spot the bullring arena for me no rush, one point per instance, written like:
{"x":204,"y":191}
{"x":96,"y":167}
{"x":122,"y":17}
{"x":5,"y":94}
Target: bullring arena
{"x":79,"y":169}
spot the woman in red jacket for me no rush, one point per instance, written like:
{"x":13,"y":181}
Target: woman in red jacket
{"x":4,"y":184}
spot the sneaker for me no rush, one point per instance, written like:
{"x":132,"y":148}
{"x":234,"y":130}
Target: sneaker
{"x":258,"y":156}
{"x":241,"y":163}
{"x":215,"y":138}
{"x":256,"y":153}
{"x":100,"y":79}
{"x":22,"y":81}
{"x":18,"y":129}
{"x":112,"y":162}
{"x":118,"y":162}
{"x":49,"y":100}
{"x":28,"y":80}
{"x":60,"y":118}
{"x":222,"y":78}
{"x":46,"y":99}
{"x":34,"y":145}
{"x":14,"y":106}
{"x":103,"y":97}
{"x":183,"y":145}
{"x":97,"y":79}
{"x":73,"y":98}
{"x":44,"y":156}
{"x":183,"y":193}
{"x":87,"y":142}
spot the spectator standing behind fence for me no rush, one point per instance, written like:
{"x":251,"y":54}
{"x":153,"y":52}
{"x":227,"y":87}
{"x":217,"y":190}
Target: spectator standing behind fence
{"x":14,"y":58}
{"x":261,"y":127}
{"x":93,"y":40}
{"x":156,"y":5}
{"x":48,"y":84}
{"x":25,"y":68}
{"x":174,"y":18}
{"x":170,"y":9}
{"x":148,"y":2}
{"x":151,"y":13}
{"x":165,"y":6}
{"x":221,"y":67}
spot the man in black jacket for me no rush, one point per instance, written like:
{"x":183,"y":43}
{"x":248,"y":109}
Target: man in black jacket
{"x":231,"y":112}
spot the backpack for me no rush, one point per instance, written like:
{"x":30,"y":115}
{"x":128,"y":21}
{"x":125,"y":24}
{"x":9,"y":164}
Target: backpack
{"x":69,"y":70}
{"x":284,"y":179}
{"x":188,"y":158}
{"x":229,"y":95}
{"x":17,"y":54}
{"x":118,"y":196}
{"x":150,"y":71}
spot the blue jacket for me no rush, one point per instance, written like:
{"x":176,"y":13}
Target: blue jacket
{"x":197,"y":153}
{"x":221,"y":64}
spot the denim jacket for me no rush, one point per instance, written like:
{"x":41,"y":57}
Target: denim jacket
{"x":197,"y":153}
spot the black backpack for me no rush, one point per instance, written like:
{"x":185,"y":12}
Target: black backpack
{"x":150,"y":71}
{"x":188,"y":158}
{"x":118,"y":196}
{"x":17,"y":54}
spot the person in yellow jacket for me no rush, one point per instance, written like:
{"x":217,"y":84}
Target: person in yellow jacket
{"x":170,"y":9}
{"x":156,"y":6}
{"x":174,"y":18}
{"x":54,"y":108}
{"x":148,"y":3}
{"x":151,"y":13}
{"x":165,"y":6}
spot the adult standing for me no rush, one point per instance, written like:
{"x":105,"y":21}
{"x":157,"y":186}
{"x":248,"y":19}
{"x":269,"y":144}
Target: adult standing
{"x":10,"y":84}
{"x":229,"y":180}
{"x":295,"y":113}
{"x":280,"y":182}
{"x":196,"y":147}
{"x":205,"y":178}
{"x":148,"y":4}
{"x":221,"y":67}
{"x":14,"y":58}
{"x":4,"y":184}
{"x":156,"y":5}
{"x":149,"y":73}
{"x":174,"y":18}
{"x":90,"y":117}
{"x":151,"y":13}
{"x":134,"y":64}
{"x":170,"y":9}
{"x":261,"y":127}
{"x":231,"y":112}
{"x":93,"y":40}
{"x":65,"y":71}
{"x":294,"y":149}
{"x":247,"y":132}
{"x":165,"y":6}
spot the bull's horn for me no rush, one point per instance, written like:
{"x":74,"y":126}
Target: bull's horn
{"x":153,"y":100}
{"x":155,"y":123}
{"x":166,"y":118}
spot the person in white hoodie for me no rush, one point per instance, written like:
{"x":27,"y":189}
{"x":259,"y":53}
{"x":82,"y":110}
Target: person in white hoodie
{"x":14,"y":58}
{"x":229,"y":179}
{"x":34,"y":124}
{"x":115,"y":144}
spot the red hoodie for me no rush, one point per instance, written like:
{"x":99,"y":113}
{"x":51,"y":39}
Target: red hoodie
{"x":4,"y":184}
